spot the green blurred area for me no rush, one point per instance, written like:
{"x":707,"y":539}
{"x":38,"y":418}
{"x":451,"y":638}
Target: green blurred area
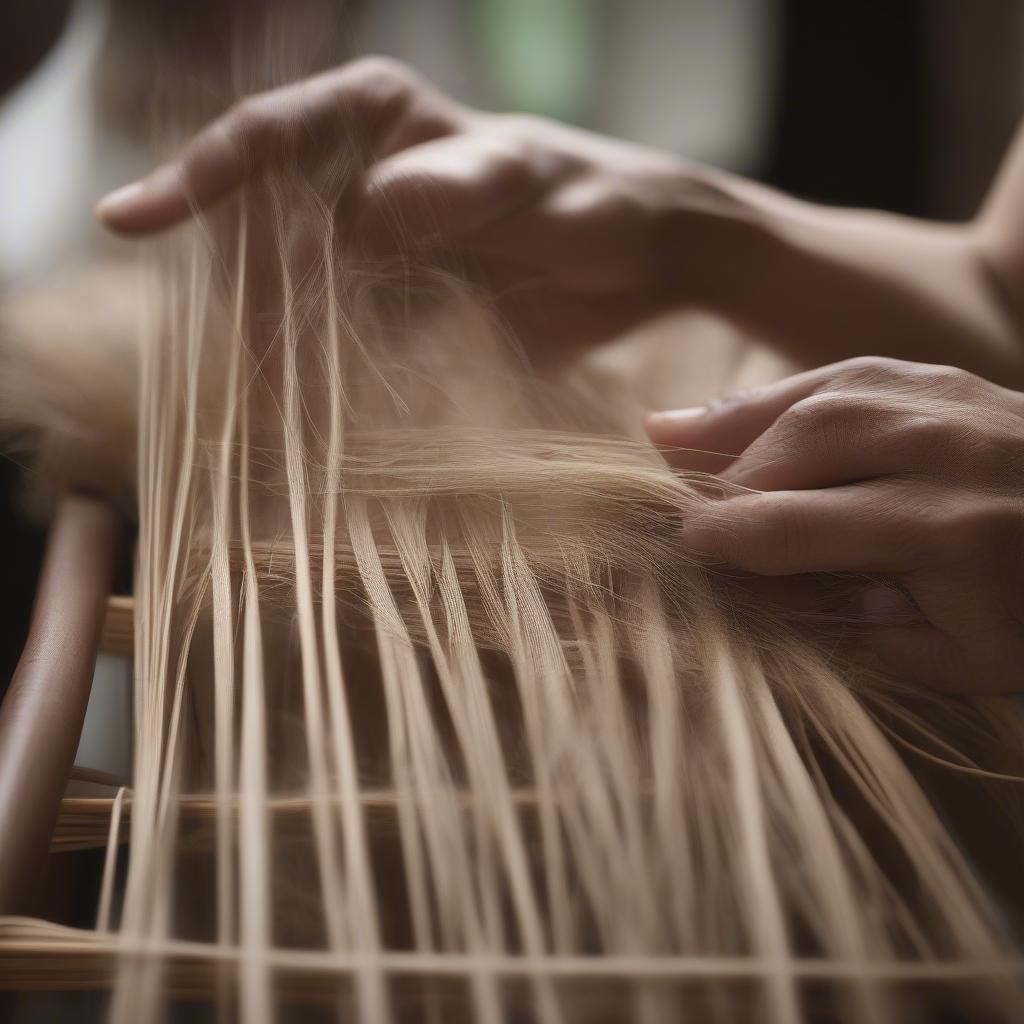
{"x":541,"y":54}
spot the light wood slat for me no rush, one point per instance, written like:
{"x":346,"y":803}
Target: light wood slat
{"x":83,"y":822}
{"x":38,"y":955}
{"x":119,"y":626}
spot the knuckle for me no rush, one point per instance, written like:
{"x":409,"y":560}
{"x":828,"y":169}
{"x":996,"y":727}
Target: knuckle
{"x":379,"y":73}
{"x":784,"y":540}
{"x":937,"y":380}
{"x":247,"y":127}
{"x":396,"y":100}
{"x":924,"y":435}
{"x":382,"y":86}
{"x":909,"y":378}
{"x":825,"y":405}
{"x":874,"y":365}
{"x":531,"y":135}
{"x":509,"y":168}
{"x":952,"y":382}
{"x":871,"y":370}
{"x":770,"y":540}
{"x":589,"y":197}
{"x":949,"y":441}
{"x":827,"y":420}
{"x":833,"y":405}
{"x":798,"y":419}
{"x":969,"y":530}
{"x":512,"y":175}
{"x":611,"y":205}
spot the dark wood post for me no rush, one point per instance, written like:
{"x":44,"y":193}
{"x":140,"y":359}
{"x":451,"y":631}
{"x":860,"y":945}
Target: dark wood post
{"x":42,"y":714}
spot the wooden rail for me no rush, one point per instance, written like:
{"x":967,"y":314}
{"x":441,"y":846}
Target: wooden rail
{"x":41,"y":716}
{"x":118,"y":635}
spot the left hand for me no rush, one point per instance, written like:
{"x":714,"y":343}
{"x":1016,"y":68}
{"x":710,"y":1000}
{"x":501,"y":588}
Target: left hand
{"x":911,"y":471}
{"x":579,"y":237}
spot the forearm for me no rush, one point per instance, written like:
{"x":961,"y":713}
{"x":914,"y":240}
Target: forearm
{"x":825,"y":284}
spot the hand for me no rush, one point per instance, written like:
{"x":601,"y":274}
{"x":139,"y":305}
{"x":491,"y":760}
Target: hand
{"x":567,"y":228}
{"x":580,"y":237}
{"x":879,"y":466}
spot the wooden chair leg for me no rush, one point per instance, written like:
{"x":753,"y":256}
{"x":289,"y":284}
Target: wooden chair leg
{"x":42,"y":714}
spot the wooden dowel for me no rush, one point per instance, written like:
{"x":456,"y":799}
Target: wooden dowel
{"x":42,"y":714}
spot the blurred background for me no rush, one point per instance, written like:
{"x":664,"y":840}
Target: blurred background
{"x":905,"y":105}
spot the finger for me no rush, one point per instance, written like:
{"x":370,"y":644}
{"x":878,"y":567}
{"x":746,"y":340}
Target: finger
{"x":708,"y":438}
{"x":372,"y":102}
{"x":832,"y":438}
{"x":448,"y":189}
{"x":859,"y":528}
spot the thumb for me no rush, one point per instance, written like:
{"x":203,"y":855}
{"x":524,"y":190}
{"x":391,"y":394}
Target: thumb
{"x":706,"y":438}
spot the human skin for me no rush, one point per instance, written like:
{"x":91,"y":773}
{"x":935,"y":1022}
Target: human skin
{"x":580,"y":236}
{"x":911,"y":472}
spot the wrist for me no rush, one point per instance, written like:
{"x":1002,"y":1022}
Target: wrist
{"x":717,"y":237}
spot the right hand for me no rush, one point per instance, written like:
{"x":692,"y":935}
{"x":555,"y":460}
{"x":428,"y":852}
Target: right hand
{"x":907,"y":475}
{"x":568,"y":229}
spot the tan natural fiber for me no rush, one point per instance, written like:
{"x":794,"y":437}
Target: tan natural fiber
{"x":434,"y":717}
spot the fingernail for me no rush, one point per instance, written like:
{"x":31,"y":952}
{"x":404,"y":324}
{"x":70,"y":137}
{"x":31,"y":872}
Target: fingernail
{"x":156,"y":187}
{"x":664,"y":426}
{"x":115,"y":203}
{"x":670,"y":416}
